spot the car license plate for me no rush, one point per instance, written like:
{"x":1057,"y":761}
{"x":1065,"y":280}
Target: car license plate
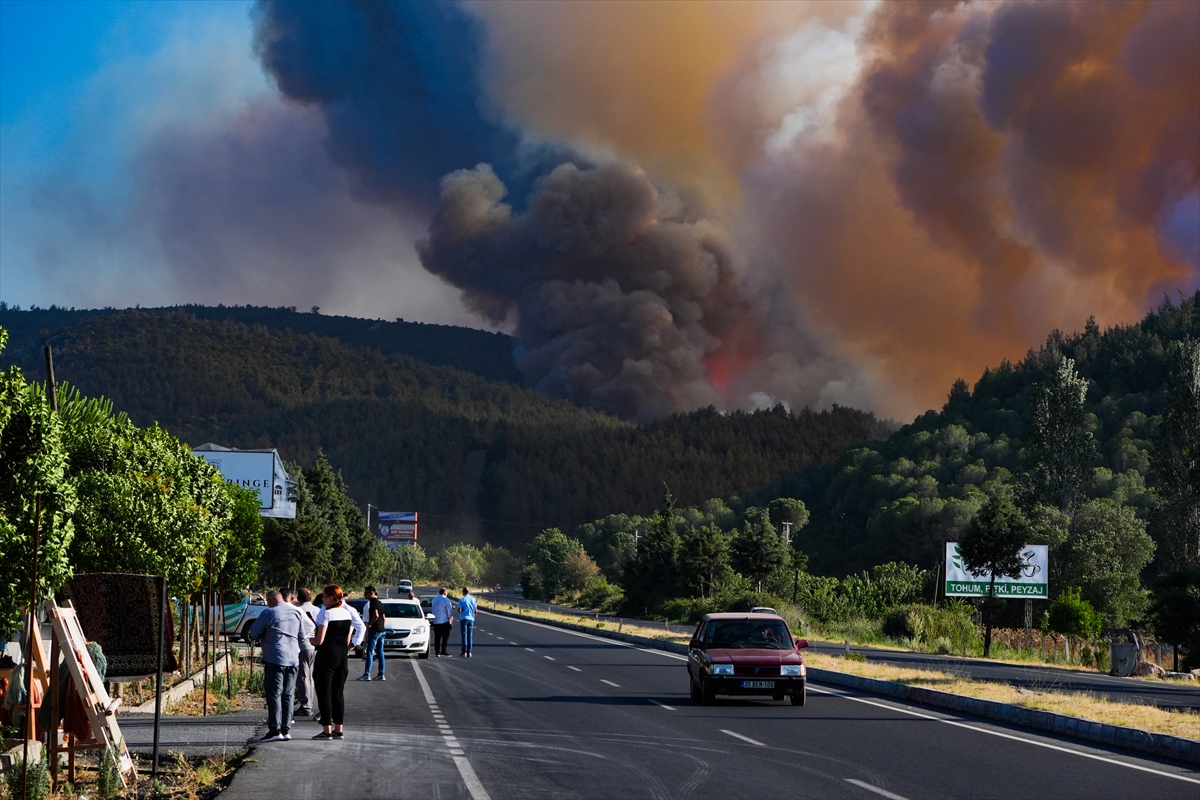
{"x":758,"y":684}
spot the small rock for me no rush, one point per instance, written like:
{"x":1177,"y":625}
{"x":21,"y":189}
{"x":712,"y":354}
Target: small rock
{"x":1148,"y":669}
{"x":1182,"y":676}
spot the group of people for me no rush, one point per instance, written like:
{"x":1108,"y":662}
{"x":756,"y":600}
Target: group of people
{"x":305,"y":650}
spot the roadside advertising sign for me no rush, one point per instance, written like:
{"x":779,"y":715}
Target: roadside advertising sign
{"x":1032,"y":582}
{"x":261,"y":471}
{"x":398,"y":528}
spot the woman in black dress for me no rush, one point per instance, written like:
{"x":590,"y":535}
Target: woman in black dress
{"x":339,"y":628}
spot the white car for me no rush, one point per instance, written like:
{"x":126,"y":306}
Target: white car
{"x":407,"y":629}
{"x":404,"y":587}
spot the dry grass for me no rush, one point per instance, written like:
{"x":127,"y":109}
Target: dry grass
{"x":179,"y":778}
{"x":1087,"y":706}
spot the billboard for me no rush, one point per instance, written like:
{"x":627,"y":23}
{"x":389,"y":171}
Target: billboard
{"x":398,"y":528}
{"x":1032,"y":582}
{"x":260,"y":471}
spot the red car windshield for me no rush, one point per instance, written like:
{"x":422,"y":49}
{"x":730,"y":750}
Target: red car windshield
{"x":748,"y":633}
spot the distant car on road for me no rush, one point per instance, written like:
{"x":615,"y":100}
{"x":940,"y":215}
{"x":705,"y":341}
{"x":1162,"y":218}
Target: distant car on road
{"x":745,"y":654}
{"x":763,"y":610}
{"x":404,"y":587}
{"x":406,"y":625}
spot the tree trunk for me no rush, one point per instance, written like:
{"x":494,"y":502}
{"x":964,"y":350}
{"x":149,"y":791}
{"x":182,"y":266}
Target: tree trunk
{"x":987,"y":635}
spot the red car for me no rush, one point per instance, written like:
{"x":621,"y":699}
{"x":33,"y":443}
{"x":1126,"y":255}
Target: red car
{"x":746,"y":654}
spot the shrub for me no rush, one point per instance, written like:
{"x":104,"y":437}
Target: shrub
{"x":950,"y":627}
{"x":602,"y":596}
{"x":39,"y":780}
{"x":108,"y":779}
{"x":1071,"y":615}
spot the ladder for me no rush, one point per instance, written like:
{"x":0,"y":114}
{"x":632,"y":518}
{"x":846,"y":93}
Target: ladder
{"x":101,"y":709}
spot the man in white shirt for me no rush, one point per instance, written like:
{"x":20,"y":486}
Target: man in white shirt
{"x":442,"y":610}
{"x":305,"y":691}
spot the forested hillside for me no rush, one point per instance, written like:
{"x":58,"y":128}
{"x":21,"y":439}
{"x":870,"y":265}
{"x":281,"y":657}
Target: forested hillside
{"x":488,"y":355}
{"x":901,"y":498}
{"x":412,"y":436}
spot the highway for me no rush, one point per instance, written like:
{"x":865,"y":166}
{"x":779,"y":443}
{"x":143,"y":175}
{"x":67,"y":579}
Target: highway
{"x":1029,"y":676}
{"x":541,"y":712}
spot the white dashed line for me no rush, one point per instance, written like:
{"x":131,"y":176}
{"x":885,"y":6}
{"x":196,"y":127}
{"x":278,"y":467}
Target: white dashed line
{"x":610,"y":683}
{"x":530,"y":649}
{"x":548,"y":658}
{"x":876,"y":789}
{"x":663,"y":705}
{"x":577,"y":669}
{"x":474,"y":787}
{"x":743,"y":738}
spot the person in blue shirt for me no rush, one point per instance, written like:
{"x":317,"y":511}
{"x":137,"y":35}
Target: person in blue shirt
{"x":466,"y":621}
{"x":443,"y":611}
{"x":280,"y":628}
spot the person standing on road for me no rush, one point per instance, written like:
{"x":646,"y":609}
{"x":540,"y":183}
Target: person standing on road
{"x":376,"y":631}
{"x":339,"y":627}
{"x":280,"y":629}
{"x":466,"y":622}
{"x":443,"y":611}
{"x":305,"y":693}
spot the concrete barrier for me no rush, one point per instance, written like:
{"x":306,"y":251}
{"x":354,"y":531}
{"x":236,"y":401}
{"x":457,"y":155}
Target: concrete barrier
{"x":180,"y":690}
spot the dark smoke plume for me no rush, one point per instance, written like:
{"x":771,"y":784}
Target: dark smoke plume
{"x":623,"y":296}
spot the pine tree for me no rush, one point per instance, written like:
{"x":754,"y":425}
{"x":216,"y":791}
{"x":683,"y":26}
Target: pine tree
{"x":1058,"y":444}
{"x":1175,"y":460}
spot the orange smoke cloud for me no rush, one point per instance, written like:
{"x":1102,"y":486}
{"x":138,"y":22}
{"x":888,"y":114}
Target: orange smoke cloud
{"x":995,"y":172}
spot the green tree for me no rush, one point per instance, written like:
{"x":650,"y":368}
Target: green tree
{"x":992,"y":546}
{"x":460,"y":565}
{"x":1071,"y":615}
{"x":1175,"y":612}
{"x":790,"y":511}
{"x":501,"y":566}
{"x":33,"y":491}
{"x":654,"y":574}
{"x":704,"y":559}
{"x":245,"y":547}
{"x":1175,"y":461}
{"x":546,"y":560}
{"x":1106,"y":549}
{"x":298,"y":550}
{"x":1058,"y":444}
{"x":758,"y":548}
{"x":413,"y":563}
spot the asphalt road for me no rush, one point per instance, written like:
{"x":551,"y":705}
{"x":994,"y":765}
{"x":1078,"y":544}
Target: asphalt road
{"x":541,"y":712}
{"x":1125,"y":690}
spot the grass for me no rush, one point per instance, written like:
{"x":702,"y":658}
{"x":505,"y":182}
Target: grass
{"x":247,"y":694}
{"x":1075,"y":704}
{"x":678,"y":633}
{"x":179,"y":777}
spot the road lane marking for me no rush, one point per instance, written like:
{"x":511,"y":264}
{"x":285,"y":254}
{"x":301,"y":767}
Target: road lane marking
{"x":664,"y":705}
{"x":548,"y":658}
{"x":474,"y":787}
{"x":530,"y":649}
{"x":612,"y":642}
{"x":875,"y":789}
{"x":743,"y":738}
{"x":1046,"y":745}
{"x":577,"y":669}
{"x":610,"y":683}
{"x":1002,"y":735}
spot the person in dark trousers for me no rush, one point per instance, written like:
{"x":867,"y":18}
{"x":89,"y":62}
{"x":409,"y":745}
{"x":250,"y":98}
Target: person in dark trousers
{"x":376,"y":632}
{"x":280,"y":628}
{"x":443,"y":611}
{"x":466,"y":622}
{"x":338,"y":630}
{"x":305,"y":692}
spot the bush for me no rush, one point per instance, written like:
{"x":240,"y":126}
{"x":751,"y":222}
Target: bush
{"x":690,"y":609}
{"x":1071,"y":615}
{"x":951,"y":628}
{"x":39,"y":780}
{"x":602,"y":596}
{"x":108,"y":780}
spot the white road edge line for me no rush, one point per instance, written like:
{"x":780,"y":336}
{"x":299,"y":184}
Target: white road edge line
{"x":610,"y":683}
{"x":880,"y":705}
{"x":743,"y":738}
{"x":875,"y":789}
{"x":1002,"y":735}
{"x":664,"y":705}
{"x":474,"y":787}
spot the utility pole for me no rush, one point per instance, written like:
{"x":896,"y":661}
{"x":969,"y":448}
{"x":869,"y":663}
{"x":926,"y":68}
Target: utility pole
{"x":787,"y":532}
{"x":637,"y":534}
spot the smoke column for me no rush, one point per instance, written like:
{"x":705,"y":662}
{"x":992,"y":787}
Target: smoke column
{"x":683,"y":204}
